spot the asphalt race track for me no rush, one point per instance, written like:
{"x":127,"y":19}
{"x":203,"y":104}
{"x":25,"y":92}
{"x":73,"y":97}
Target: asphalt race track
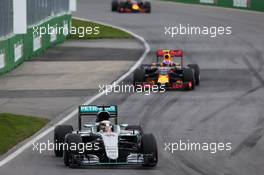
{"x":226,"y":107}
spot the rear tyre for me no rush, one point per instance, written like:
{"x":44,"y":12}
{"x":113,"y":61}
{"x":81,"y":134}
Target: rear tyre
{"x":121,"y":5}
{"x":59,"y":134}
{"x":114,"y":6}
{"x":148,"y":7}
{"x":67,"y":154}
{"x":188,"y":76}
{"x":139,"y":76}
{"x":196,"y":69}
{"x":149,"y":147}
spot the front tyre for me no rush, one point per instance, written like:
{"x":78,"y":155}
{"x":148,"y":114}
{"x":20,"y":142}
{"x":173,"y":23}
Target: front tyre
{"x":150,"y":150}
{"x":188,"y":77}
{"x":196,"y":69}
{"x":139,"y":76}
{"x":59,"y":134}
{"x":71,"y":139}
{"x":148,"y":7}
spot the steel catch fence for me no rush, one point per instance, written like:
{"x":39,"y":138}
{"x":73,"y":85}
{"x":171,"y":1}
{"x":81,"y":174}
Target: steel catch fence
{"x":6,"y":17}
{"x":37,"y":10}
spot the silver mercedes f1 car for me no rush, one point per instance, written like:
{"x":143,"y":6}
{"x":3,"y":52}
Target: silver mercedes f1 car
{"x":104,"y":142}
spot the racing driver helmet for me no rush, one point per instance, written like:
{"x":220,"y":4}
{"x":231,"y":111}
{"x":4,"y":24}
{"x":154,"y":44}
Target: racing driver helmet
{"x":105,"y":126}
{"x":167,"y":59}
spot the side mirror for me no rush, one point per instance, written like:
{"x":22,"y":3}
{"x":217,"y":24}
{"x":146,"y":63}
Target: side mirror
{"x":88,"y":125}
{"x":123,"y":125}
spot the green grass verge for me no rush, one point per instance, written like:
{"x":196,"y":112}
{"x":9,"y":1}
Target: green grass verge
{"x":255,"y":5}
{"x":184,"y":1}
{"x":106,"y":32}
{"x":16,"y":128}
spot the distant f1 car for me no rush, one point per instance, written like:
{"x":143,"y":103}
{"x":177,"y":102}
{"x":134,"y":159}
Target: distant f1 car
{"x":131,"y":6}
{"x":170,"y":73}
{"x":116,"y":144}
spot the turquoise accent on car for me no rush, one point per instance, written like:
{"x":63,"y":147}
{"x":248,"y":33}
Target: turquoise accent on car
{"x":97,"y":109}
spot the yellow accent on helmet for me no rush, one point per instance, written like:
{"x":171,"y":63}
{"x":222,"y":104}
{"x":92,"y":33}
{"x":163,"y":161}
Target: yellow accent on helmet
{"x":167,"y":57}
{"x":135,"y":7}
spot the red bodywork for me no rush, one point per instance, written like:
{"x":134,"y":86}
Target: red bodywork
{"x":172,"y":86}
{"x":173,"y":53}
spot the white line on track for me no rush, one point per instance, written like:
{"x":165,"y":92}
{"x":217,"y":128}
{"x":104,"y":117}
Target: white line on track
{"x":73,"y":113}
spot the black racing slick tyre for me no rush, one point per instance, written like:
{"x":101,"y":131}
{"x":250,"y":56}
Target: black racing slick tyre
{"x":196,"y":69}
{"x":71,"y":139}
{"x":121,"y":5}
{"x":135,"y":127}
{"x":139,"y":76}
{"x":114,"y":6}
{"x":148,"y":7}
{"x":150,"y":150}
{"x":59,"y":134}
{"x":188,"y":76}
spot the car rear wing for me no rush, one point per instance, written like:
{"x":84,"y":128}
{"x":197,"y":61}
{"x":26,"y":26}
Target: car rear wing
{"x":173,"y":53}
{"x":85,"y":110}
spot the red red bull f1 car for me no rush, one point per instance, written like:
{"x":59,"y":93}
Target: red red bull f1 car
{"x":169,"y":73}
{"x":131,"y":6}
